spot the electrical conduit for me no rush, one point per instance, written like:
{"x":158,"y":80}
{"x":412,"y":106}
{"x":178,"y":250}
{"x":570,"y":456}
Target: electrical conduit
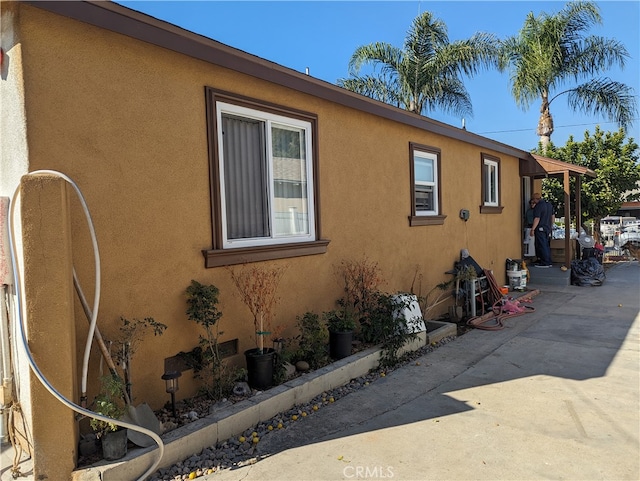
{"x":6,"y":374}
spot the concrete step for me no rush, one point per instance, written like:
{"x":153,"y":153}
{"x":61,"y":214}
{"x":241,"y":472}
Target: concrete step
{"x":553,"y":276}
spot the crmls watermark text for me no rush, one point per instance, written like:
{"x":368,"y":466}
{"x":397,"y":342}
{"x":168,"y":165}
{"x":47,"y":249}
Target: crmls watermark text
{"x":368,"y":472}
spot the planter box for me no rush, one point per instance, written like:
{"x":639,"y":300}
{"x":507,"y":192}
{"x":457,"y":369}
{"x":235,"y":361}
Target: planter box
{"x":228,"y":422}
{"x":438,"y":330}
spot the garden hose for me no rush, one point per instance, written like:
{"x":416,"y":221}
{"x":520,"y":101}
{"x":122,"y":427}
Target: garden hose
{"x":80,"y":409}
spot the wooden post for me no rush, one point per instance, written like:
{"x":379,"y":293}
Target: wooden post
{"x":567,"y":218}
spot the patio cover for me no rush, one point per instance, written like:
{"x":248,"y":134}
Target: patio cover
{"x":539,"y":167}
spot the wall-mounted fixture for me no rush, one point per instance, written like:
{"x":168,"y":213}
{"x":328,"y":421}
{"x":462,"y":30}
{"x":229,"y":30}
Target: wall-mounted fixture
{"x":464,"y":214}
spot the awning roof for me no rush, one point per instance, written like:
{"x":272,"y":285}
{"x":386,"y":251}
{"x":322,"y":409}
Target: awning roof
{"x":538,"y":166}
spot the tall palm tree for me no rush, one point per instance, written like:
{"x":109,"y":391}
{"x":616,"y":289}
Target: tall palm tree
{"x":425,"y":74}
{"x":551,"y":51}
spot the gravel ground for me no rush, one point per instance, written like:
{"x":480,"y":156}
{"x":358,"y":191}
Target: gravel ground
{"x":245,"y":448}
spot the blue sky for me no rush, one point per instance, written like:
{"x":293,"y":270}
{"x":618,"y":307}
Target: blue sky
{"x":322,"y":36}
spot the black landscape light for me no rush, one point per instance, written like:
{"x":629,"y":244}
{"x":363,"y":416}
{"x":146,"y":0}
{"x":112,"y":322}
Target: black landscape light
{"x":171,"y":381}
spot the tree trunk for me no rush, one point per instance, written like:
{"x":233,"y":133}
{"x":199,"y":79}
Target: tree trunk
{"x":413,"y":106}
{"x":545,"y":123}
{"x":596,"y":230}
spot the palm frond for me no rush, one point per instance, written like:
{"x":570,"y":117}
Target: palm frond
{"x":378,"y":88}
{"x":426,"y":73}
{"x":552,"y":53}
{"x":377,"y":55}
{"x":613,"y":100}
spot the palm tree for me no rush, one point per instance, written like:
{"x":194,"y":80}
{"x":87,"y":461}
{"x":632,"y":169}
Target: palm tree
{"x":425,"y":74}
{"x":551,"y":51}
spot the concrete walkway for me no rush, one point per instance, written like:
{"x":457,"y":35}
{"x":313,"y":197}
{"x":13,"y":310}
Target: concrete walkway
{"x":554,"y":395}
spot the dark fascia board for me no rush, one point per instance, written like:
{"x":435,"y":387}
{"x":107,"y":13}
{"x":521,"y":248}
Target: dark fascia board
{"x":117,"y":18}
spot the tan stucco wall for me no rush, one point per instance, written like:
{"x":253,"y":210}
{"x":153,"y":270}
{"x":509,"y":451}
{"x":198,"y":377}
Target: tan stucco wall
{"x":13,"y":146}
{"x":126,"y":121}
{"x":48,"y":294}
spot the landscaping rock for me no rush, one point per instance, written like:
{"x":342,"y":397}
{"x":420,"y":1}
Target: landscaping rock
{"x":231,"y":453}
{"x":302,"y":366}
{"x":241,"y":389}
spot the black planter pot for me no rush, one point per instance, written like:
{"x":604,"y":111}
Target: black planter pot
{"x":340,"y":344}
{"x":114,"y":444}
{"x":260,"y":367}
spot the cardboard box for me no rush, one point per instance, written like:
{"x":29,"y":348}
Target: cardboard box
{"x":557,"y":250}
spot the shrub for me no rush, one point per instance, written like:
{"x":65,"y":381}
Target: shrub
{"x":206,"y":361}
{"x":385,"y":327}
{"x":361,"y":279}
{"x":312,"y":341}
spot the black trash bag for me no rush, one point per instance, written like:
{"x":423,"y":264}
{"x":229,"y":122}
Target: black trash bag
{"x":587,"y":272}
{"x":592,"y":252}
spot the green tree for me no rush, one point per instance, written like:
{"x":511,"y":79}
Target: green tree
{"x":425,"y":74}
{"x":614,"y":159}
{"x":552,"y":51}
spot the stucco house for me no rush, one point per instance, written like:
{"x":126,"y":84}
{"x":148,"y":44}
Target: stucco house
{"x":149,"y":120}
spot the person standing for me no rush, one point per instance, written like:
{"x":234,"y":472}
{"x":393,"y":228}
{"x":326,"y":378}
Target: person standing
{"x":528,"y":215}
{"x":542,"y":229}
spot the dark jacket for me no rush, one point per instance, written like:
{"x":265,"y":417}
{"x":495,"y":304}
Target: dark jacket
{"x":544,"y":211}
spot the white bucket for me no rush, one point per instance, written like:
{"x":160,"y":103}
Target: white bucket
{"x":517,"y":280}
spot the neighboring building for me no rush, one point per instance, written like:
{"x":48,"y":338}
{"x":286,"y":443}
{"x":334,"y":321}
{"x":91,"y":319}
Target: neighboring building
{"x":134,"y":110}
{"x":629,"y":209}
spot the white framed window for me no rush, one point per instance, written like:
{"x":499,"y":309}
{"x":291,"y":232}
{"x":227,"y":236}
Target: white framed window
{"x":490,"y":182}
{"x":265,"y":177}
{"x":425,"y":170}
{"x":426,"y":203}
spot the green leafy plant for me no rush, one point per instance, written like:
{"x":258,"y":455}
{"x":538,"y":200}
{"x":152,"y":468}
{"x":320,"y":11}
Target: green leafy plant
{"x":286,"y":355}
{"x":339,"y":320}
{"x":202,"y":302}
{"x":312,"y":340}
{"x":388,"y":328}
{"x":109,"y":402}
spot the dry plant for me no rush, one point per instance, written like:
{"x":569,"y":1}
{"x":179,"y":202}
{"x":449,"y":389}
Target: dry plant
{"x":436,"y":296}
{"x":362,"y":279}
{"x":277,"y":332}
{"x":257,"y":286}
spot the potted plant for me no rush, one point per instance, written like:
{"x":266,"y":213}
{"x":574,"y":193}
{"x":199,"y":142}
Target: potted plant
{"x":110,"y":403}
{"x":257,"y":286}
{"x":341,"y":324}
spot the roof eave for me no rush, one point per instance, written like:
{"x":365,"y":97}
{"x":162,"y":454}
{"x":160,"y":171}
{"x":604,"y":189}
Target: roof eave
{"x":123,"y":20}
{"x":539,"y":166}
